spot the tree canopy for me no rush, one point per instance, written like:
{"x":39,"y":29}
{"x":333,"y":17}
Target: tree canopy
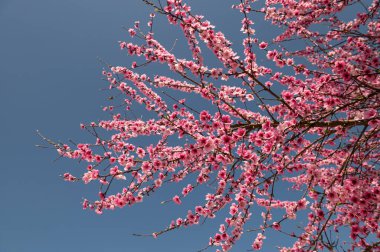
{"x":299,"y":111}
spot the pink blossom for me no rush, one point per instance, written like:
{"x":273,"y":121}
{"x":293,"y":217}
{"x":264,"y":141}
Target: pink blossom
{"x":263,"y":45}
{"x":177,"y":200}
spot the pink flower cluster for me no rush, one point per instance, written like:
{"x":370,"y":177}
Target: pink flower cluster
{"x":269,"y":121}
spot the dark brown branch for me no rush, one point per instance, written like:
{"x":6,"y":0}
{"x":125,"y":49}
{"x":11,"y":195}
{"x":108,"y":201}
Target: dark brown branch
{"x":346,"y":123}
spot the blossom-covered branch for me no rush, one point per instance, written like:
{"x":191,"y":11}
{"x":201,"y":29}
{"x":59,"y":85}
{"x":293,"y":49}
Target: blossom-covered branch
{"x":263,"y":119}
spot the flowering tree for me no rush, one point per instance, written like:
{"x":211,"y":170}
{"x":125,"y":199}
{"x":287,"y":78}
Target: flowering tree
{"x":305,"y":119}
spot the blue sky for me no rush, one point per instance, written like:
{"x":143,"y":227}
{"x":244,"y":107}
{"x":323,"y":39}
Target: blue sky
{"x":51,"y":81}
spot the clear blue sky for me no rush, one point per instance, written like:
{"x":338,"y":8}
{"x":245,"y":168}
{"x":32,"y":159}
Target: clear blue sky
{"x":50,"y":79}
